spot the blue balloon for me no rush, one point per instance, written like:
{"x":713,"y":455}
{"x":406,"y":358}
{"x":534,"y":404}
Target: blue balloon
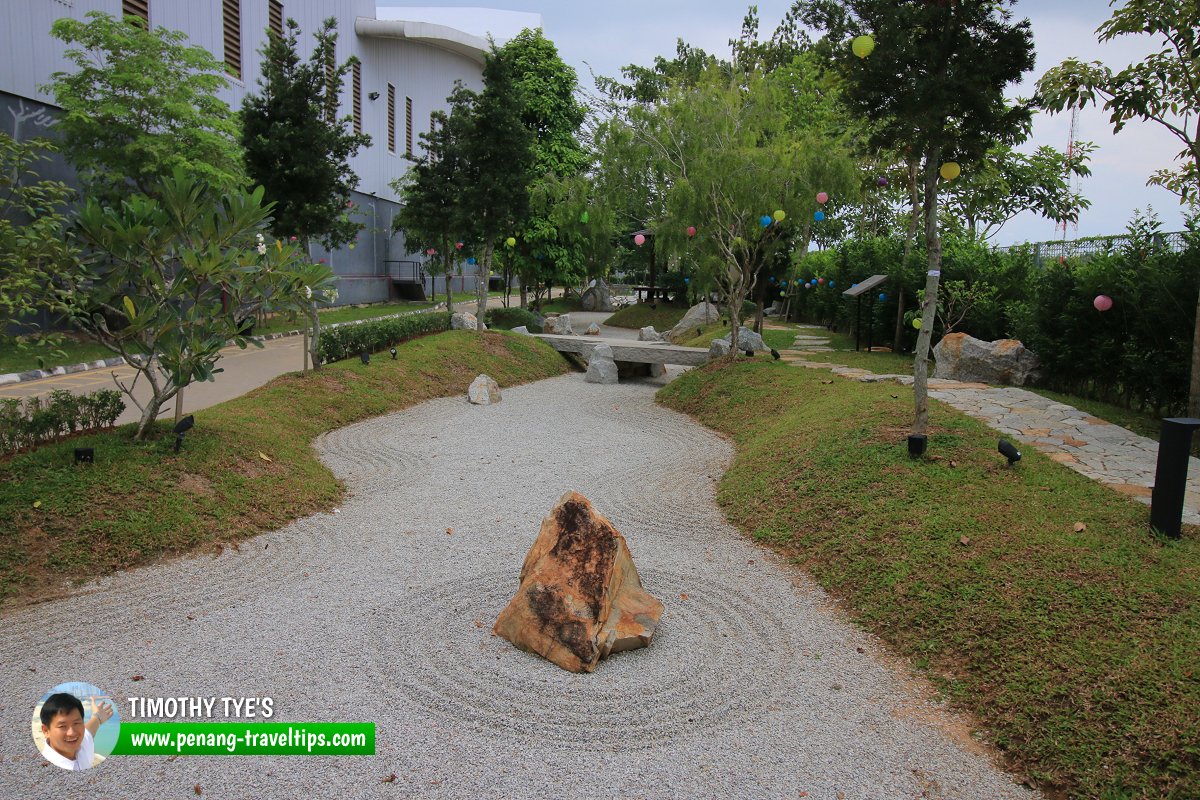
{"x":882,"y":297}
{"x":831,"y":284}
{"x":819,"y":216}
{"x":764,"y":220}
{"x":685,"y":280}
{"x":471,"y":260}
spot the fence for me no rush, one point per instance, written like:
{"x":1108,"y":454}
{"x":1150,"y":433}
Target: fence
{"x":1098,"y":245}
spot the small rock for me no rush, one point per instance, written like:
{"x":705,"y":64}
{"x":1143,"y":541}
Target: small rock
{"x":483,"y":391}
{"x":463,"y":321}
{"x":648,"y":334}
{"x":748,"y":340}
{"x":560,"y":325}
{"x":718,"y":348}
{"x":592,"y":330}
{"x":522,"y":329}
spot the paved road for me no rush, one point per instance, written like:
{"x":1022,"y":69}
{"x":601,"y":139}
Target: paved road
{"x":244,"y":370}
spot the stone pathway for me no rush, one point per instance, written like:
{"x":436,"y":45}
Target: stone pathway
{"x":1110,"y":454}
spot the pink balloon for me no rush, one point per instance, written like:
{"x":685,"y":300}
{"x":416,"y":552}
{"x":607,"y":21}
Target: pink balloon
{"x":820,"y":280}
{"x":822,"y":198}
{"x":430,"y":251}
{"x":639,"y":240}
{"x":458,"y":245}
{"x":1102,"y":302}
{"x":691,"y":230}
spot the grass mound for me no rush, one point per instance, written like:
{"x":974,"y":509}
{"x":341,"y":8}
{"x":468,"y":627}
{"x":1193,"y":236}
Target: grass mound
{"x":246,"y":467}
{"x":1076,"y":648}
{"x":639,"y":315}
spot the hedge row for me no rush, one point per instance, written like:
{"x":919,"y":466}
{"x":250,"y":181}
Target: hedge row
{"x":1137,"y":354}
{"x":25,"y":425}
{"x":348,"y":341}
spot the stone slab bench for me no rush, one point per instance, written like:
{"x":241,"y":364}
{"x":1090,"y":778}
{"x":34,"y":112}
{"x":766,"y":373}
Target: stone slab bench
{"x":628,"y":350}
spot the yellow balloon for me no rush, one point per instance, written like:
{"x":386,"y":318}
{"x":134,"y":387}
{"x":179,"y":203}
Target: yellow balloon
{"x":862,"y":46}
{"x":917,"y":323}
{"x":511,"y":242}
{"x":950,"y":170}
{"x":780,"y":215}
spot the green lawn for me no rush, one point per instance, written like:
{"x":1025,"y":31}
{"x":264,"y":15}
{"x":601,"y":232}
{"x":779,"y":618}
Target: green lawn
{"x":639,"y":315}
{"x":72,"y":351}
{"x":1077,"y":650}
{"x":140,"y":501}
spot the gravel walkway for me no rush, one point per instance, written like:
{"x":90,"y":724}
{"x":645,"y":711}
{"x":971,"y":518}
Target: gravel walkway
{"x":755,"y":686}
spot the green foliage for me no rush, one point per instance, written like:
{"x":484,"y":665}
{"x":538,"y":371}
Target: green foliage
{"x":509,"y":318}
{"x":295,"y":145}
{"x":34,"y":246}
{"x":1162,"y":87}
{"x":169,"y":279}
{"x":25,"y":425}
{"x":348,"y":341}
{"x":139,"y":105}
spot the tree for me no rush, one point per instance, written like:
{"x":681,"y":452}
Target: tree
{"x":498,"y":162}
{"x":295,"y":145}
{"x":1004,"y":183}
{"x":935,"y":85}
{"x":546,"y":87}
{"x":171,"y":277}
{"x":1163,"y":88}
{"x":34,"y":245}
{"x":431,"y":192}
{"x":298,"y":149}
{"x":139,"y":105}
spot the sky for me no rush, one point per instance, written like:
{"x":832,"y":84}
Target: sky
{"x":601,"y":37}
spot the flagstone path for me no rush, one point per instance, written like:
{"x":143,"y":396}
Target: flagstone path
{"x":1110,"y":454}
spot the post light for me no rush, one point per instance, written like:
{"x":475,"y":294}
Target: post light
{"x":393,"y":352}
{"x":1170,"y":475}
{"x":1009,"y":451}
{"x":85,"y":455}
{"x":183,"y":426}
{"x":917,"y":444}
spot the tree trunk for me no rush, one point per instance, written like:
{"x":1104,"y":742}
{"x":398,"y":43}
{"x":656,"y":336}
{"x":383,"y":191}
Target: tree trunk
{"x":899,"y":322}
{"x":933,"y":245}
{"x":481,"y":287}
{"x":653,"y":273}
{"x":524,"y":295}
{"x":178,"y":404}
{"x":314,"y":340}
{"x":911,"y":238}
{"x":1194,"y":391}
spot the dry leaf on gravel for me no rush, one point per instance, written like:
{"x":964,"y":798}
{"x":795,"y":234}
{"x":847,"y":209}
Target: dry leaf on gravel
{"x":389,"y":779}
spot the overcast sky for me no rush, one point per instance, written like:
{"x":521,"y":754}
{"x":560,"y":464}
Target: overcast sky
{"x":604,"y":36}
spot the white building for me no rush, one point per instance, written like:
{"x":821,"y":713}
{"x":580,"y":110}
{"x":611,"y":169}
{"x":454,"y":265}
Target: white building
{"x":408,"y":67}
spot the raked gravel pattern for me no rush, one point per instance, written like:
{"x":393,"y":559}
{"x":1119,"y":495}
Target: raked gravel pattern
{"x":754,"y":687}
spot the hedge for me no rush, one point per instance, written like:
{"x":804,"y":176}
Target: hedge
{"x":347,"y":341}
{"x":23,"y":426}
{"x":509,"y":318}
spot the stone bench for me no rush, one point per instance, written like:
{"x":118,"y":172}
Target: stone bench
{"x":627,"y":350}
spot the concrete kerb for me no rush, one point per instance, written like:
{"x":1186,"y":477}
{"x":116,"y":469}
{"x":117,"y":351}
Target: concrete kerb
{"x":106,"y":363}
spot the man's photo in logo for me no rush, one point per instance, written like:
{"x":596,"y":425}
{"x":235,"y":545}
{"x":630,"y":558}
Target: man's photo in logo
{"x":75,"y":725}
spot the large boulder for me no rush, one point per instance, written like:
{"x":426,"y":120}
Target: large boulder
{"x":597,"y":297}
{"x":463,"y":320}
{"x":601,"y":366}
{"x":697,"y":316}
{"x":964,"y":358}
{"x":483,"y":391}
{"x":560,"y":324}
{"x":747,"y":340}
{"x":580,"y":597}
{"x":648,"y":334}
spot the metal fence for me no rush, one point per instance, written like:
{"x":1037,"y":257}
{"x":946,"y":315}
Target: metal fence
{"x":1098,"y":245}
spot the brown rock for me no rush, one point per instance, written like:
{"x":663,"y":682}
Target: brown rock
{"x":580,"y":596}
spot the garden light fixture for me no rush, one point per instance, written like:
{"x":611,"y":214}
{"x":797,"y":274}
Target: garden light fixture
{"x":183,"y":426}
{"x":85,"y":455}
{"x":365,"y":356}
{"x":1009,"y":451}
{"x":393,"y":352}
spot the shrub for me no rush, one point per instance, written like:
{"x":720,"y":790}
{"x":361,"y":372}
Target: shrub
{"x":347,"y":341}
{"x":509,"y":318}
{"x":39,"y":420}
